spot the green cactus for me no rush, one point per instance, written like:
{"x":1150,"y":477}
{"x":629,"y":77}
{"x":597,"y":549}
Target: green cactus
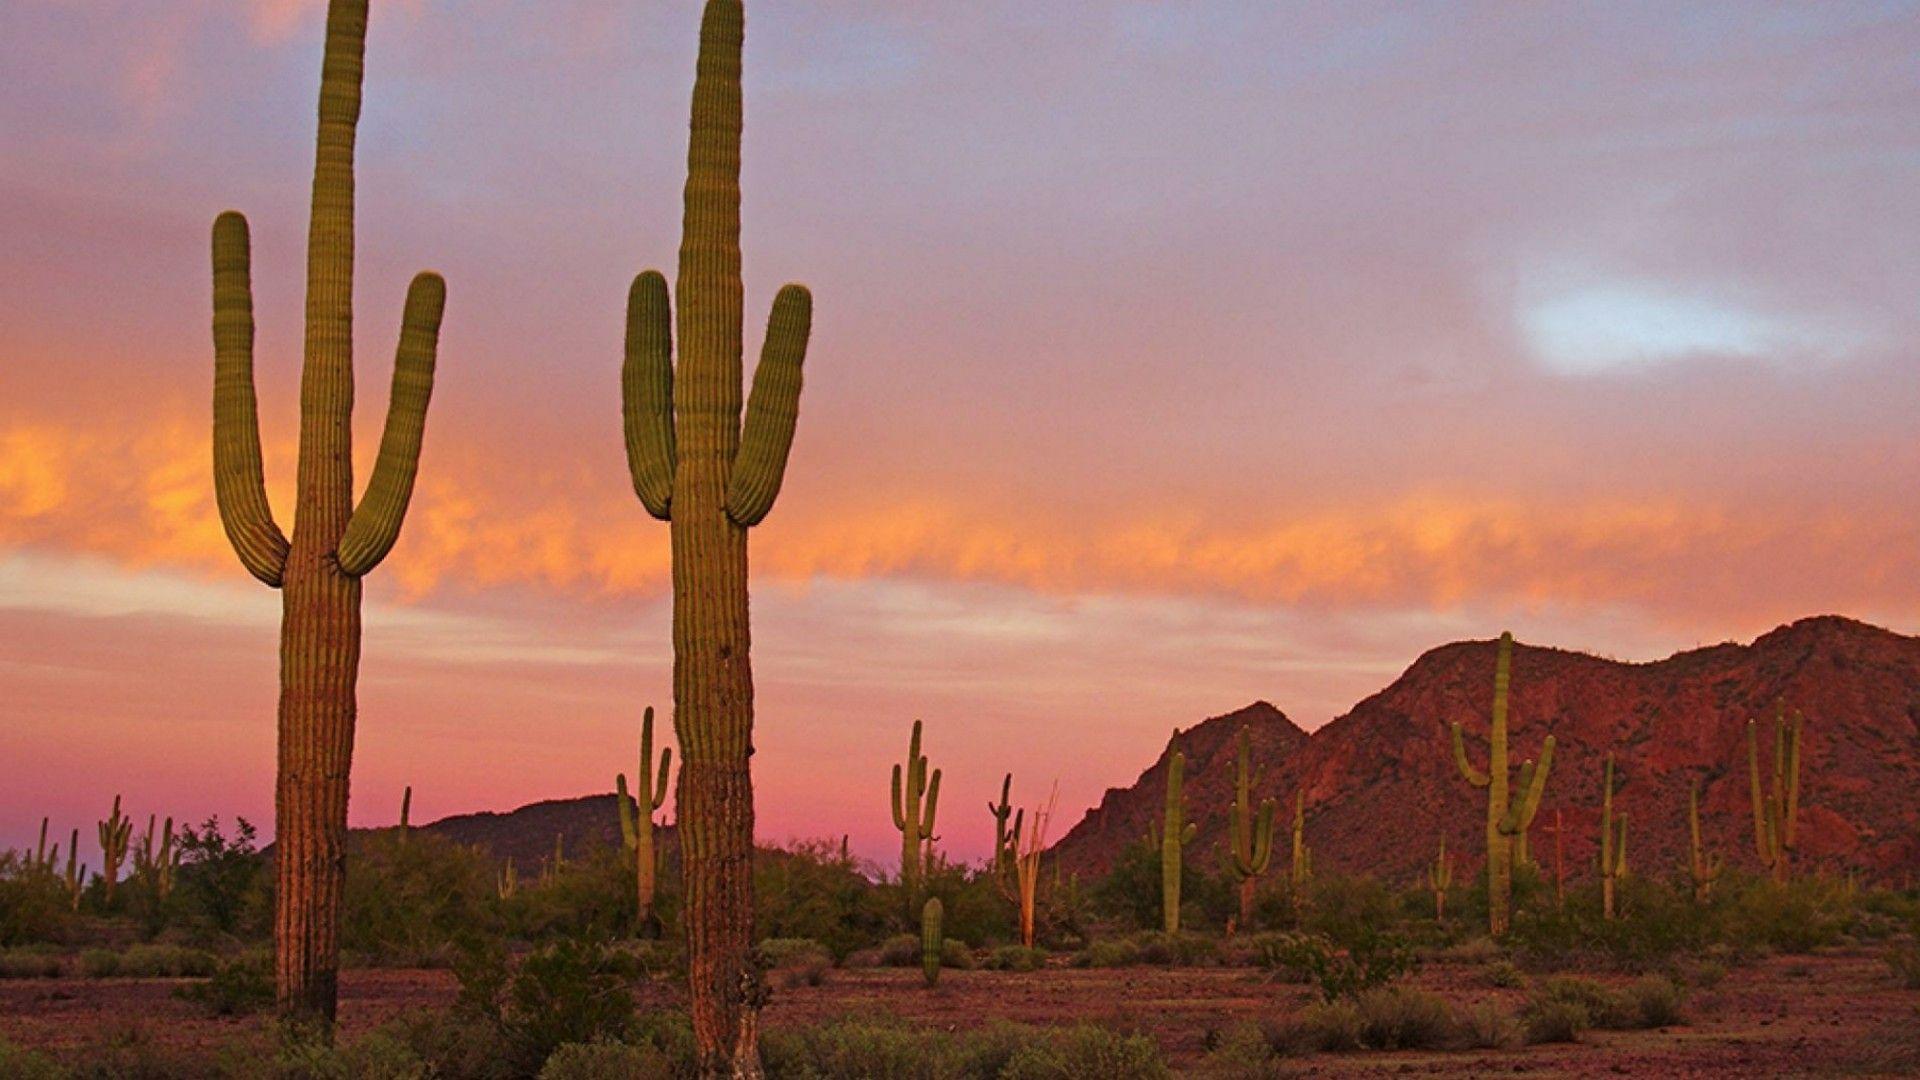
{"x":509,"y":882}
{"x":154,"y":867}
{"x":41,"y":860}
{"x":696,"y":465}
{"x":76,"y":875}
{"x":1174,"y":837}
{"x":1006,"y":841}
{"x":932,"y":943}
{"x":1706,"y":869}
{"x":115,"y":833}
{"x":406,"y":813}
{"x":636,"y":829}
{"x":1613,"y":843}
{"x":334,"y":542}
{"x":1776,"y":810}
{"x":1505,"y":818}
{"x":916,"y":799}
{"x":1301,"y":869}
{"x":1249,"y":829}
{"x":1440,"y":879}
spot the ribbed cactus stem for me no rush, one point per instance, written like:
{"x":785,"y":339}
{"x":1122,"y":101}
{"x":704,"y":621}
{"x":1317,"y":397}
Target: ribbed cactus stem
{"x":1301,"y":868}
{"x":334,"y":542}
{"x":636,"y":822}
{"x":1174,"y":837}
{"x":1776,"y":809}
{"x":1706,"y":868}
{"x":932,"y":943}
{"x":1002,"y":813}
{"x":916,"y":798}
{"x":76,"y":876}
{"x":1507,"y":820}
{"x":711,"y":475}
{"x":1440,"y":879}
{"x":1249,"y":829}
{"x":40,"y":850}
{"x":406,"y":811}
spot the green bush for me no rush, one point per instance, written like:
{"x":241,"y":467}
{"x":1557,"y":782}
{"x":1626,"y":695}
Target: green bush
{"x":410,"y":895}
{"x":1555,"y":1022}
{"x":1486,"y":1026}
{"x":885,"y":1049}
{"x":606,"y":1061}
{"x":1016,"y":958}
{"x":809,"y":891}
{"x":30,"y":962}
{"x":1085,"y":1051}
{"x":18,"y":1064}
{"x":571,"y":991}
{"x":99,"y":963}
{"x":1403,"y":1018}
{"x":34,"y":905}
{"x":795,"y":961}
{"x":241,"y":985}
{"x":1904,"y":961}
{"x":165,"y":962}
{"x":1108,"y":953}
{"x":221,"y":883}
{"x":1374,"y":959}
{"x":1505,"y":975}
{"x":1655,"y":1001}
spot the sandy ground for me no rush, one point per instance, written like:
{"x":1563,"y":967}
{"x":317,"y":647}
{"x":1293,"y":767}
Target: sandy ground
{"x":1786,"y":1016}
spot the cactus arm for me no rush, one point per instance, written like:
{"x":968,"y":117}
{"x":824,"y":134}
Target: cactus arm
{"x":646,"y":383}
{"x":239,"y":477}
{"x":899,"y":814}
{"x":1533,"y":782}
{"x":375,"y":524}
{"x":1263,"y":839}
{"x":627,"y":824}
{"x":933,"y":801}
{"x":773,"y":408}
{"x":1474,"y":776}
{"x":660,"y":782}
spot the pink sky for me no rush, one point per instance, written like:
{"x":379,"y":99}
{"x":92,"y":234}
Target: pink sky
{"x":1167,"y":356}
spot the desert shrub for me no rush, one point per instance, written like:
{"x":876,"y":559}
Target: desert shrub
{"x":1243,"y":1052}
{"x":1184,"y":949}
{"x":151,"y":961}
{"x":1604,"y":1007}
{"x":1403,"y":1018}
{"x":1108,"y":953}
{"x":1655,"y":1001}
{"x":34,"y":905}
{"x":1015,"y":958}
{"x":1708,"y":974}
{"x":1505,"y":975}
{"x":378,"y":1055}
{"x":408,"y":895}
{"x":1349,"y":911}
{"x":605,"y":1061}
{"x":221,"y":881}
{"x":99,"y":963}
{"x":886,"y":1049}
{"x":1130,"y":892}
{"x":589,"y":895}
{"x":1479,"y":950}
{"x":1085,"y":1050}
{"x":1335,"y":1026}
{"x":808,"y":890}
{"x":1554,"y":1022}
{"x":900,"y":950}
{"x":30,"y":962}
{"x":19,"y":1064}
{"x":795,"y":961}
{"x":1375,"y":959}
{"x":1904,"y":961}
{"x":954,"y":953}
{"x":1486,"y":1026}
{"x":131,"y":1051}
{"x":572,"y":990}
{"x":238,"y":986}
{"x":1800,"y":916}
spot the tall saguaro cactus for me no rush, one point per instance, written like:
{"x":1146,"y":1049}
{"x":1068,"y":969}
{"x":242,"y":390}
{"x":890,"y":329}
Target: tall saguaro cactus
{"x":636,"y":829}
{"x":335,"y":543}
{"x":115,"y":834}
{"x":1175,"y":835}
{"x":697,"y":466}
{"x":916,"y":799}
{"x":1440,"y":879}
{"x":1249,"y":829}
{"x":1301,"y":869}
{"x":1506,"y":818}
{"x":1613,"y":843}
{"x":1705,"y":868}
{"x":1776,"y":810}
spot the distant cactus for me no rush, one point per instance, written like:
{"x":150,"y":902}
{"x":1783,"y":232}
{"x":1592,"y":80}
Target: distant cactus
{"x":155,"y":867}
{"x":509,"y":882}
{"x":1559,"y":861}
{"x":115,"y":833}
{"x":1776,"y":811}
{"x":1175,"y":835}
{"x":1506,"y":818}
{"x":1440,"y":879}
{"x":916,"y":799}
{"x":76,"y":875}
{"x":1301,"y":870}
{"x":335,"y":542}
{"x":1006,"y":840}
{"x":406,"y":813}
{"x":932,"y":943}
{"x":636,"y":829}
{"x":42,"y":860}
{"x":1706,"y":869}
{"x":1249,"y":829}
{"x":1613,"y":843}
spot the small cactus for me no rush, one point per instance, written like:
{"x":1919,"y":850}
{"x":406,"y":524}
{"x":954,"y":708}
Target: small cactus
{"x":636,"y":829}
{"x":509,"y":882}
{"x":406,"y":813}
{"x":1613,"y":843}
{"x":1174,"y":837}
{"x":916,"y":799}
{"x":115,"y":833}
{"x":932,"y":943}
{"x":1440,"y":879}
{"x":1776,"y":811}
{"x":1706,"y":868}
{"x":1301,"y":870}
{"x":1249,"y":829}
{"x":76,"y":876}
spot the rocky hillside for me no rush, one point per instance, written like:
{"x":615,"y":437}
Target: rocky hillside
{"x":1381,"y":786}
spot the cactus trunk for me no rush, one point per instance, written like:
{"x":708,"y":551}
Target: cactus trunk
{"x":1706,"y":869}
{"x":1174,"y":836}
{"x":1613,"y":844}
{"x":1776,"y":810}
{"x":931,"y":941}
{"x":916,"y":801}
{"x":696,"y":465}
{"x":334,"y":543}
{"x":1506,"y":818}
{"x":636,"y":824}
{"x":1250,"y":830}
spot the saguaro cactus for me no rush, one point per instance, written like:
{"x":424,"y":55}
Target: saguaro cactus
{"x":1613,"y":843}
{"x":695,"y":465}
{"x":76,"y":876}
{"x":406,"y":813}
{"x":1706,"y":868}
{"x":1440,"y":879}
{"x":1175,"y":835}
{"x":916,"y":799}
{"x":1006,"y":840}
{"x":636,"y":830}
{"x":931,"y":941}
{"x":334,"y":542}
{"x":1776,"y":810}
{"x":115,"y":834}
{"x":155,"y":866}
{"x":1505,"y":817}
{"x":1301,"y":869}
{"x":1249,"y":829}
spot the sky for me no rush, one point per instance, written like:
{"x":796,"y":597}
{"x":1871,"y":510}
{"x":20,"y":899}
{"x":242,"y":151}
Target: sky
{"x":1166,"y":356}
